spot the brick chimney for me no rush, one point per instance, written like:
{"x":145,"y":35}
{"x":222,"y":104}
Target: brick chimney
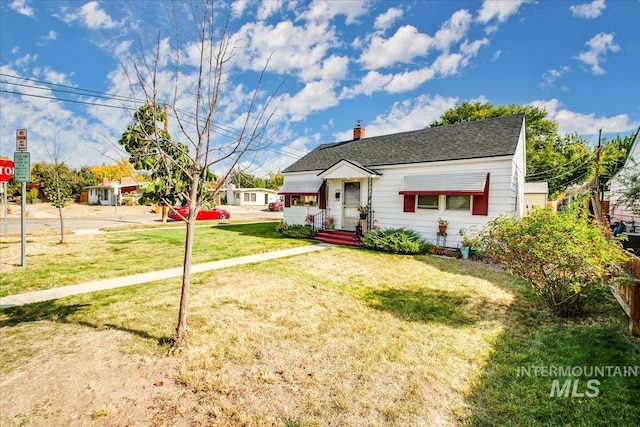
{"x":105,"y":181}
{"x":358,"y":131}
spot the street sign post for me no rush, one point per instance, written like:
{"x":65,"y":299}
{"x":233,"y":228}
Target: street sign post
{"x":22,"y":166}
{"x":21,"y":140}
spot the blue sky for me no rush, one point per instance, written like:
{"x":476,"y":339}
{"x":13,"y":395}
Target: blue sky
{"x":394,"y":65}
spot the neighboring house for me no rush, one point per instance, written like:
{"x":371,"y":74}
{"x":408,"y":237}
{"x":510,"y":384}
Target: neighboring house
{"x":111,"y":191}
{"x":617,"y":211}
{"x":252,"y":196}
{"x":468,"y":174}
{"x":536,"y":194}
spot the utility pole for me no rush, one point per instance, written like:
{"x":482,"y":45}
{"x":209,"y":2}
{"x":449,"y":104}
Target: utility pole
{"x":597,"y":178}
{"x":596,"y":195}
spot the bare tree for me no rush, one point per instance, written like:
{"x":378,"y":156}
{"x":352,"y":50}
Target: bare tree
{"x":216,"y":50}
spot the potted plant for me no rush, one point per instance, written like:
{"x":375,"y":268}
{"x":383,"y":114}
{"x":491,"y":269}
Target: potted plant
{"x":309,"y":219}
{"x":466,"y":243}
{"x":442,"y":225}
{"x":330,"y":222}
{"x":363,"y":211}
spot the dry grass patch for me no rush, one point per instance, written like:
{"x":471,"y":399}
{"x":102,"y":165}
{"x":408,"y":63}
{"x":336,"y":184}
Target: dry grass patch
{"x":339,"y":337}
{"x":317,"y":341}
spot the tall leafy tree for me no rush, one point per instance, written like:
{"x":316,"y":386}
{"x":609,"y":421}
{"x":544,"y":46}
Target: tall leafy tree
{"x":613,"y":155}
{"x":275,"y":180}
{"x":548,"y":156}
{"x":122,"y":168}
{"x":186,"y":165}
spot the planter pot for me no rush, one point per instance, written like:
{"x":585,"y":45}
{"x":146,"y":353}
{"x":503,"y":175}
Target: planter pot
{"x":442,"y":229}
{"x":331,"y":227}
{"x":363,"y":216}
{"x":464,"y":252}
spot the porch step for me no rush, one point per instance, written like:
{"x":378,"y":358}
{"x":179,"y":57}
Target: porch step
{"x":338,"y":237}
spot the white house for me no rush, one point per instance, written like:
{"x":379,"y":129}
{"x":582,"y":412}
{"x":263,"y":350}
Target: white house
{"x":617,"y":210}
{"x":468,"y":174}
{"x":253,"y":196}
{"x":110,"y":192}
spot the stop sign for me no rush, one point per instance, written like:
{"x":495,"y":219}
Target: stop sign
{"x":6,"y":170}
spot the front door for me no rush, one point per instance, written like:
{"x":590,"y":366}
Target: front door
{"x":350,"y":203}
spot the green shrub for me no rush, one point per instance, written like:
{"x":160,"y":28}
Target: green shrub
{"x":563,"y":255}
{"x":298,"y":231}
{"x":396,"y":240}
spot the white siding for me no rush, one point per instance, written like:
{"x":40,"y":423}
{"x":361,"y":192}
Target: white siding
{"x":388,"y":204}
{"x":624,"y":213}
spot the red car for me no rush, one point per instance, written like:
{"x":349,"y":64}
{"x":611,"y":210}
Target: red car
{"x":181,"y":213}
{"x":278,"y":205}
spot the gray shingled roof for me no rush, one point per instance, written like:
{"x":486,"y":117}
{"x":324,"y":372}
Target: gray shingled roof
{"x":486,"y":138}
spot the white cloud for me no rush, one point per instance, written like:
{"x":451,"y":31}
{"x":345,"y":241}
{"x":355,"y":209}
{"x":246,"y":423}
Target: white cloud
{"x":324,"y":10}
{"x":92,"y":16}
{"x":268,"y":8}
{"x":385,"y":20}
{"x":258,"y":42}
{"x":314,"y":97}
{"x":550,"y":77}
{"x":588,"y":10}
{"x":21,"y":7}
{"x":51,"y":36}
{"x":409,"y":80}
{"x":586,"y":124}
{"x":238,"y":7}
{"x":598,"y":46}
{"x":372,"y":82}
{"x":453,"y":30}
{"x":499,"y":9}
{"x":403,"y":46}
{"x":406,"y":115}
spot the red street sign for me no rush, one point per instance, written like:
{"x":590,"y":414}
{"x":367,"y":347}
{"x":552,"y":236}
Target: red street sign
{"x":6,"y":170}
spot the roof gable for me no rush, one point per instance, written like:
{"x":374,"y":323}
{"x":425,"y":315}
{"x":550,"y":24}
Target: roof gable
{"x":493,"y":137}
{"x":347,"y":168}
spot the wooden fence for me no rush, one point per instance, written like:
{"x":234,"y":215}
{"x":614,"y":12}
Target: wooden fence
{"x":629,"y":296}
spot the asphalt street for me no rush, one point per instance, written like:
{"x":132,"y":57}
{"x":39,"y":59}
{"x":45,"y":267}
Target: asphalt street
{"x":13,"y":224}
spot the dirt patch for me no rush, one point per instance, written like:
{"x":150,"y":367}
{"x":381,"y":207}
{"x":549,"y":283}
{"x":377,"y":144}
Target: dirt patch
{"x":88,"y":379}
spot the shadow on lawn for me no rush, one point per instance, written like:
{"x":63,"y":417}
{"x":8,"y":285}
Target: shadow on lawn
{"x":424,"y":305}
{"x":53,"y":311}
{"x":507,"y":394}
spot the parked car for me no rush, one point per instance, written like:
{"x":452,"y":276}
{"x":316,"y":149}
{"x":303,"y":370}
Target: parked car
{"x":180,"y":213}
{"x":278,"y":205}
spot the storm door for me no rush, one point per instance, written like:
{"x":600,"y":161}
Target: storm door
{"x":351,"y":201}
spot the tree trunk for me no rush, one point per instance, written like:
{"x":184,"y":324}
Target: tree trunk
{"x":181,"y":337}
{"x":165,"y":213}
{"x":61,"y":225}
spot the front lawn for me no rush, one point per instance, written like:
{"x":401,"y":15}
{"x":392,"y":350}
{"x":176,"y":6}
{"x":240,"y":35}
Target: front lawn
{"x":121,"y":253}
{"x":347,"y":337}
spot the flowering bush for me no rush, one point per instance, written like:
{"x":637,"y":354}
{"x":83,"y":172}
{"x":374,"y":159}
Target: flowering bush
{"x":563,"y":255}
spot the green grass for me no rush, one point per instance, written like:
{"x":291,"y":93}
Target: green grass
{"x":351,"y":337}
{"x":102,"y":256}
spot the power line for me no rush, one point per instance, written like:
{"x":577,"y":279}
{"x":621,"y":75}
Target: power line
{"x":218,"y":127}
{"x":557,"y":167}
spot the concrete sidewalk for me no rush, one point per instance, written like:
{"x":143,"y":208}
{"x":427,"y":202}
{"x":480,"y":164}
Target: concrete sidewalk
{"x":136,"y":279}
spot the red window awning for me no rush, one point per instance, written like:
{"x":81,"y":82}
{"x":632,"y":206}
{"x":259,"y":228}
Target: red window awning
{"x":304,"y":188}
{"x":463,"y":184}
